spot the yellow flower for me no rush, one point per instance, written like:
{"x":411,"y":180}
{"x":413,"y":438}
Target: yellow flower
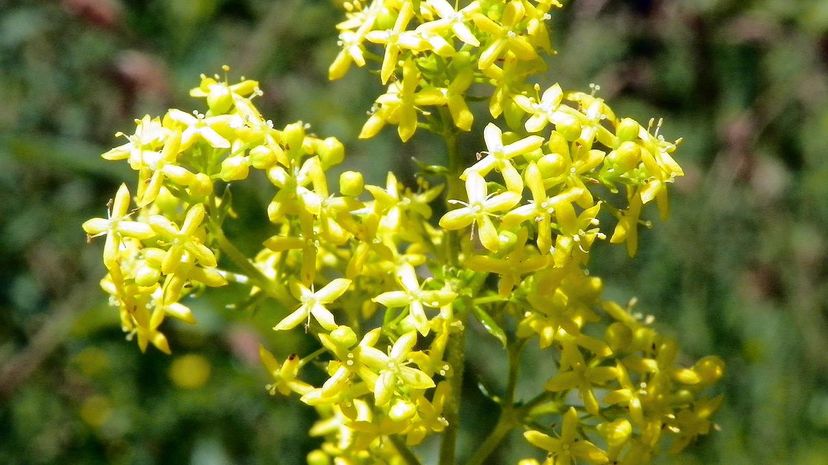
{"x":353,"y":34}
{"x":479,"y":209}
{"x":116,"y":226}
{"x":543,"y":110}
{"x":456,"y":20}
{"x":414,"y":297}
{"x":506,"y":37}
{"x":200,"y":127}
{"x":568,"y":448}
{"x":520,"y":260}
{"x":629,"y":395}
{"x":498,"y":156}
{"x":454,"y":97}
{"x":395,"y":40}
{"x":284,"y":374}
{"x":221,"y":95}
{"x":395,"y":374}
{"x":160,"y":166}
{"x":398,"y":105}
{"x":149,"y":136}
{"x":541,"y":209}
{"x":581,"y":375}
{"x":313,"y":303}
{"x":185,"y":245}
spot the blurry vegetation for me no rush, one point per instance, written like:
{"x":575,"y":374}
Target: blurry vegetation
{"x":739,"y":270}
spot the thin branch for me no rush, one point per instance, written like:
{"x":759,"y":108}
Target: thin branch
{"x":406,"y":453}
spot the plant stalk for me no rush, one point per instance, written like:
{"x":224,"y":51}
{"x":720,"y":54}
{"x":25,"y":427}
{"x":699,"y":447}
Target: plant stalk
{"x":268,"y":286}
{"x":405,"y":453}
{"x":456,"y":344}
{"x":509,"y":416}
{"x":456,"y":359}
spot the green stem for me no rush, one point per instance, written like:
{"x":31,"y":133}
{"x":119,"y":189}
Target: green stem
{"x":406,"y":453}
{"x":456,"y":344}
{"x":456,"y":359}
{"x":539,"y":399}
{"x":455,"y":188}
{"x":312,"y":356}
{"x":509,"y":416}
{"x":270,"y":287}
{"x":490,"y":298}
{"x":505,"y":424}
{"x":514,"y":350}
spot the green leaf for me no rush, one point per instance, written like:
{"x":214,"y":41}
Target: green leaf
{"x":490,"y":324}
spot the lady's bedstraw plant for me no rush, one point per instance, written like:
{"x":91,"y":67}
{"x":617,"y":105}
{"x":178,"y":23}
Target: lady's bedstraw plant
{"x":389,"y":290}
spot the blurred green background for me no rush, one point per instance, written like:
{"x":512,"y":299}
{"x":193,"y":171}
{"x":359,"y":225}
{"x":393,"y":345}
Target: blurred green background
{"x":739,"y":270}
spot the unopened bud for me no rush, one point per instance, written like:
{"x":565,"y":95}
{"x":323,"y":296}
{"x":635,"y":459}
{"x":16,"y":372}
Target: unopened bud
{"x":235,"y":168}
{"x":627,"y":129}
{"x":344,"y":336}
{"x":331,"y":152}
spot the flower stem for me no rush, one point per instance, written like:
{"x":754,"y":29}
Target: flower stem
{"x":505,"y":424}
{"x":455,"y":188}
{"x":270,"y":287}
{"x":405,"y":453}
{"x":456,"y":359}
{"x":509,"y":415}
{"x":456,"y":344}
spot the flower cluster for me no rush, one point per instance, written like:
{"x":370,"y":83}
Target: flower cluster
{"x":436,"y":52}
{"x":386,"y":287}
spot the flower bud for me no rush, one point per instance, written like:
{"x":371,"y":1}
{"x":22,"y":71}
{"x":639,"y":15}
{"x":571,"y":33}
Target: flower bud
{"x":626,"y":157}
{"x":317,"y":457}
{"x":146,"y":275}
{"x":552,"y":165}
{"x":351,"y":183}
{"x":617,"y":432}
{"x":710,"y":369}
{"x":618,"y":337}
{"x":344,"y":336}
{"x":234,"y":168}
{"x":401,"y":410}
{"x":331,"y":152}
{"x":507,"y":240}
{"x":627,"y":129}
{"x":262,"y":157}
{"x":202,"y":185}
{"x":569,"y":127}
{"x":294,"y":136}
{"x":219,"y":99}
{"x":558,"y":144}
{"x":644,"y":338}
{"x":166,"y":202}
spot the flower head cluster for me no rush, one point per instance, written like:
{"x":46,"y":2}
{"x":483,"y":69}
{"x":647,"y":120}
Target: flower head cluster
{"x":541,"y":178}
{"x":385,"y":287}
{"x":432,"y":52}
{"x":371,"y":239}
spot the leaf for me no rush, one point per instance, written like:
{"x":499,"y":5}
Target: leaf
{"x":490,"y":325}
